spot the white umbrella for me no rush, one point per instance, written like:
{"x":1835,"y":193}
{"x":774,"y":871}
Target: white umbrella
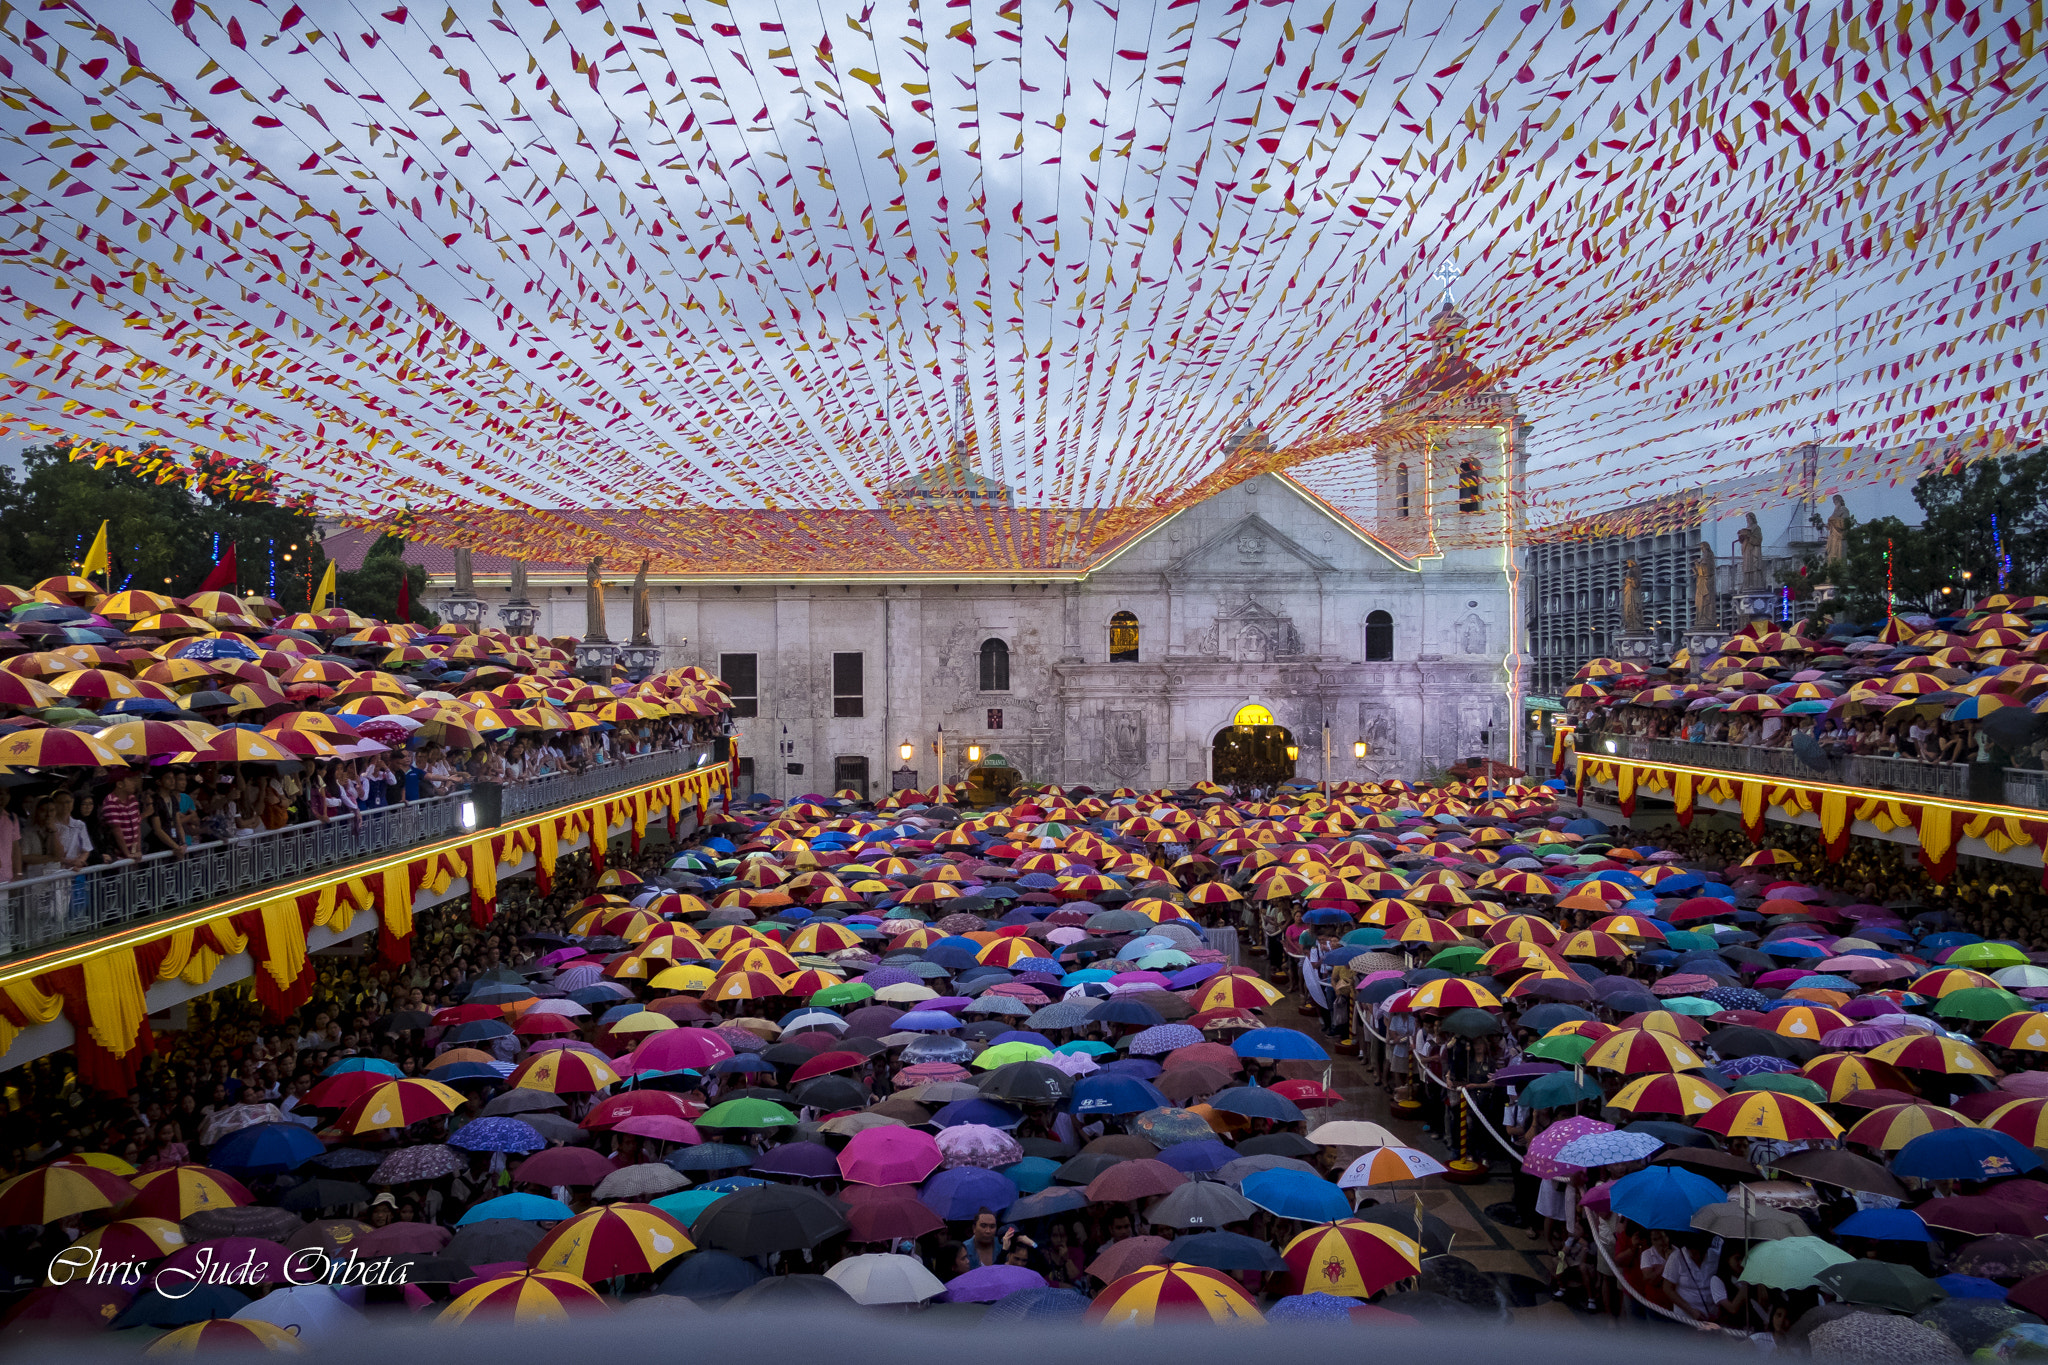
{"x":644,"y":1181}
{"x":568,"y":1009}
{"x":314,"y":1313}
{"x":885,"y":1278}
{"x":1352,"y":1133}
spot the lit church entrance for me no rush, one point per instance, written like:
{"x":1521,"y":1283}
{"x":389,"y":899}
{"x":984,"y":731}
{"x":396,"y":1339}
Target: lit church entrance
{"x":1253,"y":751}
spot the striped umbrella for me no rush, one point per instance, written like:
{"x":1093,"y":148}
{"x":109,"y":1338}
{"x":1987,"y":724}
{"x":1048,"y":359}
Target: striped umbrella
{"x":1352,"y":1259}
{"x":2026,"y":1031}
{"x":1173,"y":1292}
{"x":1929,"y":1052}
{"x":2025,"y":1120}
{"x":134,"y":1239}
{"x":54,"y":748}
{"x":1668,"y":1093}
{"x":1769,"y":1114}
{"x":178,"y":1192}
{"x":1523,"y":928}
{"x":1236,"y":992}
{"x":1632,"y":1051}
{"x":1593,"y":943}
{"x":1942,"y":980}
{"x":1895,"y":1125}
{"x":398,"y":1104}
{"x":48,"y":1194}
{"x":563,"y":1071}
{"x":1388,"y":1165}
{"x":1806,"y":1021}
{"x":746,"y":986}
{"x":229,"y":1334}
{"x":1843,"y":1074}
{"x":617,"y":1239}
{"x":534,"y":1296}
{"x":1452,"y":993}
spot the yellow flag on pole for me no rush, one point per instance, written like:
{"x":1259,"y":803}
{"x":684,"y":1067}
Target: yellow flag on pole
{"x":96,"y":560}
{"x":324,"y":598}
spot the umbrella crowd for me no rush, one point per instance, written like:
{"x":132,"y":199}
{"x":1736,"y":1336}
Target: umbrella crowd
{"x":1087,"y":1056}
{"x":1954,"y":689}
{"x":135,"y":725}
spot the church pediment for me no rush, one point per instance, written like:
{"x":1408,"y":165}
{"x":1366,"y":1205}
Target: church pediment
{"x":1251,"y":545}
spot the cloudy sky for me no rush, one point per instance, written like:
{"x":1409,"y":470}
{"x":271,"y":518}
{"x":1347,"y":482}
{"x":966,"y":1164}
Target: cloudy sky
{"x":565,"y":253}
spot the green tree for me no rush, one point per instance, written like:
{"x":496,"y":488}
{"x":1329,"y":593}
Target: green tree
{"x":163,"y":536}
{"x":373,"y":589}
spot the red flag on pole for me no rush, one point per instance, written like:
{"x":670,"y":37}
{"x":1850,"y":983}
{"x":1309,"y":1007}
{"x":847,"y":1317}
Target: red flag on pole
{"x":222,"y":579}
{"x":404,"y":596}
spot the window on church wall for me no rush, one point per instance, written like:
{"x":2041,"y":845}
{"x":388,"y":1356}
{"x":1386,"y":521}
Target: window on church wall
{"x":742,"y":673}
{"x":1401,"y":490}
{"x":995,"y":666}
{"x":1123,"y":638}
{"x":1379,"y":637}
{"x":1468,"y":485}
{"x":849,"y":686}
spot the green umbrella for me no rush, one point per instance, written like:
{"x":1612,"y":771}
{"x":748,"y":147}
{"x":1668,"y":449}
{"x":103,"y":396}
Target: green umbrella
{"x":748,"y":1113}
{"x":1986,"y":955}
{"x":1980,"y":1002}
{"x":1002,"y":1054}
{"x":851,"y":993}
{"x":1788,"y":1263}
{"x":1685,"y":939}
{"x":1785,"y":1083}
{"x":1459,"y":959}
{"x":1880,"y":1284}
{"x":1569,"y":1048}
{"x":1556,"y":1089}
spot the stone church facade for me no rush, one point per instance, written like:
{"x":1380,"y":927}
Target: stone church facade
{"x":1401,"y":633}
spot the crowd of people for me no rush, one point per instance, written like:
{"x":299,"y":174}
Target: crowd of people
{"x":136,"y":725}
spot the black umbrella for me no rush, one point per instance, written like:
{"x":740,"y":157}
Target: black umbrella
{"x":1279,"y":1144}
{"x":257,"y":1220}
{"x":833,"y":1092}
{"x":522,"y":1102}
{"x":1433,"y":1232}
{"x":782,"y":1293}
{"x":1226,"y":1251}
{"x":715,"y":1275}
{"x":324,"y":1194}
{"x":1671,"y":1134}
{"x":1844,"y":1170}
{"x":1742,"y":1041}
{"x":198,"y":1302}
{"x":1027,"y":1083}
{"x":493,"y":1240}
{"x":768,"y":1218}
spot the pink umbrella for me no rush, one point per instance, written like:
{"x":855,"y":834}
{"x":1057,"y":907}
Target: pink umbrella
{"x":660,"y":1127}
{"x":406,"y":1239}
{"x":977,"y":1144}
{"x":615,"y":1109}
{"x":2031,"y":1085}
{"x":1544,"y":1147}
{"x":890,"y":1156}
{"x":1683,"y":983}
{"x":680,"y":1049}
{"x":1072,"y":1063}
{"x":563,"y":1166}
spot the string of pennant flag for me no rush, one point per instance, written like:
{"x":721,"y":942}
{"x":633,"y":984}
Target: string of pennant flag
{"x":528,"y":268}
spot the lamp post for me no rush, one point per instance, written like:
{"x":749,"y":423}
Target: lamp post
{"x":939,"y":745}
{"x":1326,"y":762}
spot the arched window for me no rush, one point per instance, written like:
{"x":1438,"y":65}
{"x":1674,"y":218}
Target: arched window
{"x":1401,"y":490}
{"x":1468,"y":485}
{"x":1123,"y":638}
{"x":1379,"y":637}
{"x":995,"y":666}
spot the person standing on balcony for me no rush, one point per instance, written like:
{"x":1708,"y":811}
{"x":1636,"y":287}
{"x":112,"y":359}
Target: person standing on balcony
{"x":122,"y":814}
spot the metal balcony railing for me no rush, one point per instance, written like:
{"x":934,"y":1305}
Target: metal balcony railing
{"x":38,"y":912}
{"x":1956,"y":781}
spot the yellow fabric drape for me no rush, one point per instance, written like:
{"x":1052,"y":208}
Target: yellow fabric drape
{"x":114,"y":1006}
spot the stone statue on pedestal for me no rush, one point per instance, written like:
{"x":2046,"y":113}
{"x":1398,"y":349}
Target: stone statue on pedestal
{"x":465,"y":576}
{"x":1749,"y":545}
{"x":1631,"y":599}
{"x":1837,"y":551}
{"x":518,"y":596}
{"x":593,"y":600}
{"x":643,"y":607}
{"x":1704,"y":614}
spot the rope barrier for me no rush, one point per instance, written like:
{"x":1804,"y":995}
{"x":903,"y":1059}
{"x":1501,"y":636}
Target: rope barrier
{"x":1612,"y":1269}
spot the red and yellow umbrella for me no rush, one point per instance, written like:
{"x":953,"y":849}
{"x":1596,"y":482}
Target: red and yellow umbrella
{"x":823,"y":937}
{"x":1523,"y":884}
{"x":178,"y":1192}
{"x":2024,"y":1119}
{"x":225,"y":1334}
{"x":534,"y":1296}
{"x":1524,"y":929}
{"x":1425,"y":931}
{"x":1594,"y":944}
{"x":1436,"y":893}
{"x":1388,"y":913}
{"x":1351,"y":1259}
{"x":1214,"y":893}
{"x":1895,"y":1125}
{"x":1672,"y":1092}
{"x":1843,"y":1074}
{"x":617,"y":1239}
{"x":1236,"y":992}
{"x":1452,"y":993}
{"x":399,"y":1104}
{"x":2026,"y":1031}
{"x":49,"y":1194}
{"x":52,"y":748}
{"x":1633,"y":1051}
{"x":746,"y":986}
{"x":1928,"y":1052}
{"x":1942,"y":980}
{"x":134,"y":1239}
{"x":1173,"y":1292}
{"x":1769,"y":1114}
{"x":1626,"y":926}
{"x":1806,"y":1021}
{"x":562,"y":1071}
{"x":758,"y":956}
{"x":1009,"y":952}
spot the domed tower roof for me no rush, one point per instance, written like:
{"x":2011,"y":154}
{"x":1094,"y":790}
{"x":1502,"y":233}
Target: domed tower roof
{"x":1448,"y":370}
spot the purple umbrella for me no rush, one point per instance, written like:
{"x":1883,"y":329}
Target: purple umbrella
{"x":1544,"y":1147}
{"x":805,"y":1160}
{"x":986,"y":1284}
{"x":975,"y":1144}
{"x":957,"y":1195}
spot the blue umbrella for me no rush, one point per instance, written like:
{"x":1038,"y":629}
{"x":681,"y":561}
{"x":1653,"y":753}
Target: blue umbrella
{"x":1112,"y":1094}
{"x":1254,"y":1102}
{"x":267,"y":1148}
{"x":1885,"y":1225}
{"x":711,"y":1275}
{"x":732,"y":1184}
{"x":464,"y":1071}
{"x":1032,"y":1174}
{"x":199,"y":1302}
{"x":478,"y":1031}
{"x":926,"y":1021}
{"x":1198,"y":1157}
{"x":1317,"y":1307}
{"x":989,"y":1113}
{"x":1971,"y":1287}
{"x":1124,"y":1010}
{"x":685,"y":1205}
{"x":1279,"y":1045}
{"x":527,"y":1208}
{"x":497,"y":1135}
{"x":1051,"y":1200}
{"x":709,"y":1156}
{"x":376,"y":1064}
{"x":748,"y":1063}
{"x":1036,"y":1305}
{"x":1963,"y":1154}
{"x":1663,"y":1197}
{"x":958,"y":1194}
{"x":1296,"y":1194}
{"x":1608,"y":1149}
